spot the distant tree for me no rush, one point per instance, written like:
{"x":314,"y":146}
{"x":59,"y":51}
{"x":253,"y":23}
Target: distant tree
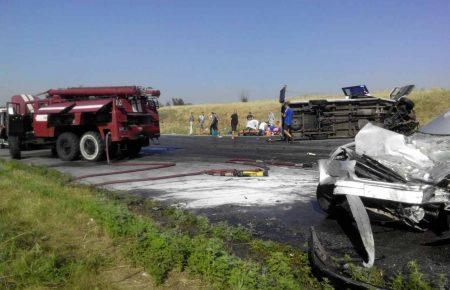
{"x":168,"y":104}
{"x":178,"y":102}
{"x":244,"y":96}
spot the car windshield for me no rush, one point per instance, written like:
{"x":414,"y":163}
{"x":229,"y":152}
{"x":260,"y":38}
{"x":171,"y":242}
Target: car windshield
{"x":438,"y":126}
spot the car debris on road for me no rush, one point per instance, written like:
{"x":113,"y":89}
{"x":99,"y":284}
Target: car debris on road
{"x":392,"y":177}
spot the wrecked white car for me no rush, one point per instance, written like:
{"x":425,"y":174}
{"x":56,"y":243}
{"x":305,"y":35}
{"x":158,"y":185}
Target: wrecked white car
{"x":392,"y":177}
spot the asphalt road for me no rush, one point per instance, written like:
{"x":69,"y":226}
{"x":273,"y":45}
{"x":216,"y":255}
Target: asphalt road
{"x":282,"y":207}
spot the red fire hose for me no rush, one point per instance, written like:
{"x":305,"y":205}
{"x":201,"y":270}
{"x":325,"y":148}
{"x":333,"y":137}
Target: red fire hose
{"x":261,"y":166}
{"x":155,"y":165}
{"x":222,"y":172}
{"x":264,"y":164}
{"x":148,"y":166}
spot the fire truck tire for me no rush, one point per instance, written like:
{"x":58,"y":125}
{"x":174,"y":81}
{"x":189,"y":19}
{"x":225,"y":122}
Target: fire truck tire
{"x":67,"y":146}
{"x":133,"y":149}
{"x":92,"y":146}
{"x":14,"y":147}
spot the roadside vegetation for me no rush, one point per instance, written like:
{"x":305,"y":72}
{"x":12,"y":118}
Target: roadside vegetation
{"x":56,"y":234}
{"x":412,"y":279}
{"x":174,"y":119}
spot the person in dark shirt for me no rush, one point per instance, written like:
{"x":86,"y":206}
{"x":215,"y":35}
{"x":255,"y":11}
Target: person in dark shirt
{"x":214,"y":127}
{"x":234,"y":124}
{"x":288,"y":114}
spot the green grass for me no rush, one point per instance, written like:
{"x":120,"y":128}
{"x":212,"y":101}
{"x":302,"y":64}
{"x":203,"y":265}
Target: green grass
{"x":413,"y":278}
{"x":429,"y":104}
{"x":47,"y":240}
{"x":57,"y":234}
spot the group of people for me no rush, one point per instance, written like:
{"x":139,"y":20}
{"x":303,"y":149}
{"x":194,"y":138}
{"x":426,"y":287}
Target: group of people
{"x":263,"y":128}
{"x":254,"y":127}
{"x":213,"y":123}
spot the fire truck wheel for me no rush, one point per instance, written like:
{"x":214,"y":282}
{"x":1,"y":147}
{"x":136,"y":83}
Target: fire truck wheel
{"x":133,"y":149}
{"x":67,"y":146}
{"x":14,"y":147}
{"x":92,"y":146}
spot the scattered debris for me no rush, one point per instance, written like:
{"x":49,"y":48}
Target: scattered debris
{"x":320,"y":261}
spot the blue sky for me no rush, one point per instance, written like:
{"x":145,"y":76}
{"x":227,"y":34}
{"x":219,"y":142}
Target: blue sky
{"x":210,"y":51}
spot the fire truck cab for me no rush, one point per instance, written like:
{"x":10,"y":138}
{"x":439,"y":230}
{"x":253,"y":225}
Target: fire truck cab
{"x":78,"y":121}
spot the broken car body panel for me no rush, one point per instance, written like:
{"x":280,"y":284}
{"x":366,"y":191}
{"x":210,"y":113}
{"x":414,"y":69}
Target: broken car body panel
{"x":402,"y":178}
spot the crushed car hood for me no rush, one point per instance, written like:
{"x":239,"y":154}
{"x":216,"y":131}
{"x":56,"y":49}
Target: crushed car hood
{"x":419,"y":157}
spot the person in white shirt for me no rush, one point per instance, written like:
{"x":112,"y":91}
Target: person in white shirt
{"x":252,"y":124}
{"x":271,"y":119}
{"x":191,"y":124}
{"x":201,"y":120}
{"x":262,"y":128}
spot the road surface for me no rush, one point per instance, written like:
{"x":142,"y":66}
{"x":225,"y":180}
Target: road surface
{"x":280,"y":207}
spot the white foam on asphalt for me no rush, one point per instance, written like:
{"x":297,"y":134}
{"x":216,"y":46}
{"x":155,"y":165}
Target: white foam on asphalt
{"x":282,"y":186}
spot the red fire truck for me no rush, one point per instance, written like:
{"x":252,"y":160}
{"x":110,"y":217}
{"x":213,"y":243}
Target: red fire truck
{"x":77,"y":121}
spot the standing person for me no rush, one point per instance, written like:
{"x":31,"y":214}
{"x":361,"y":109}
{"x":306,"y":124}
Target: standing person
{"x":191,"y":124}
{"x":211,"y":117}
{"x":287,"y":121}
{"x":271,"y":119}
{"x":201,"y":120}
{"x":214,"y":124}
{"x":283,"y":108}
{"x":234,"y":124}
{"x":282,"y":100}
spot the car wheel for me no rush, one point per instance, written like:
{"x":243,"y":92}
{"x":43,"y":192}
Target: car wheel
{"x":92,"y":146}
{"x":14,"y":147}
{"x":67,"y":146}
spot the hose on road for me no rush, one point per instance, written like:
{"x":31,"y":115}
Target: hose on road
{"x":148,"y":166}
{"x":159,"y":165}
{"x":265,"y":164}
{"x":260,"y":168}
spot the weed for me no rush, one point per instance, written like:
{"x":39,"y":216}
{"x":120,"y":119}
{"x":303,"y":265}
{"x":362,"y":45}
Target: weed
{"x":372,"y":276}
{"x":414,"y":280}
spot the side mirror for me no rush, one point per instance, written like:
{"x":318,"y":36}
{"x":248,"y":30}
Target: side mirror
{"x":11,"y":110}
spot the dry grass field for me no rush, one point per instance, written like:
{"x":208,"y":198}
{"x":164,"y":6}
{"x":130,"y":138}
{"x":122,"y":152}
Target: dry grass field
{"x":174,"y":119}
